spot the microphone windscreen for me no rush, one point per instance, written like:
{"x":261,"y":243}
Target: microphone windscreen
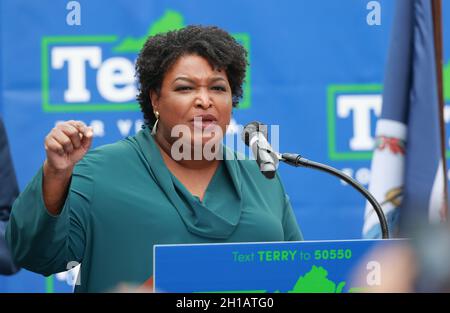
{"x":249,"y":129}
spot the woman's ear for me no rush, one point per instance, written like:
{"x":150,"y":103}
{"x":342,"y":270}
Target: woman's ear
{"x":155,"y":100}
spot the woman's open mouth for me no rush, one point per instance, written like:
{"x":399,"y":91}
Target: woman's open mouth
{"x":203,"y":121}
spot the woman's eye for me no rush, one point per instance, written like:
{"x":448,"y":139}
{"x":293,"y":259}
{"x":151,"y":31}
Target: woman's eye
{"x":219,"y":88}
{"x":183,"y":88}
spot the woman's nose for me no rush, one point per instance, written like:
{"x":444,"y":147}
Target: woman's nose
{"x":203,"y":98}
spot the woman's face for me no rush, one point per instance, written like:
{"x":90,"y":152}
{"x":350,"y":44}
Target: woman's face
{"x":194,"y":96}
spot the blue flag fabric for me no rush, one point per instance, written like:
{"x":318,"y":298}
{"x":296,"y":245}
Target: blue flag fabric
{"x":407,"y":165}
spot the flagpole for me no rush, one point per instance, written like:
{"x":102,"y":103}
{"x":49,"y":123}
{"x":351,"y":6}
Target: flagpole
{"x":438,"y":49}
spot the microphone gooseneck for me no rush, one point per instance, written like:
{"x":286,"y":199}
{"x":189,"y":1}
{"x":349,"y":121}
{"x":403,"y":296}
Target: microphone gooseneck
{"x":255,"y":136}
{"x":297,"y":160}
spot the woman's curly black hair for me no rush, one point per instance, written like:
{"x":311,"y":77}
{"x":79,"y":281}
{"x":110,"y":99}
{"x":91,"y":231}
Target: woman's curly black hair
{"x":161,"y":51}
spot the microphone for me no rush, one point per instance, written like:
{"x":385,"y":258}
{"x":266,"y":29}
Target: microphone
{"x":255,"y":136}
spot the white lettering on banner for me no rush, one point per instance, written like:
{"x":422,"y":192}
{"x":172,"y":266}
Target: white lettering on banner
{"x":124,"y":126}
{"x":138,"y":125}
{"x":114,"y":72}
{"x":76,"y":58}
{"x":361,"y":106}
{"x":362,"y":175}
{"x":347,"y":171}
{"x":98,"y":128}
{"x":115,"y":76}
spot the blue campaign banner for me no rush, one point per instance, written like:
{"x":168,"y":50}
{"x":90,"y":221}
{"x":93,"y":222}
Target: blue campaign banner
{"x":293,"y":267}
{"x":316,"y":70}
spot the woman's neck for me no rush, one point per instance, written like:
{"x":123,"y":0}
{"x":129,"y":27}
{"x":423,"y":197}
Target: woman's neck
{"x":191,"y":164}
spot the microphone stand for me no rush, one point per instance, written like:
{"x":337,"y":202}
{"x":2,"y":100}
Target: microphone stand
{"x":297,"y":160}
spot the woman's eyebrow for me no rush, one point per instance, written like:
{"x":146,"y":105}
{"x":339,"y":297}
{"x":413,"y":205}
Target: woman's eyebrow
{"x":185,"y":79}
{"x":217,"y":78}
{"x":190,"y":80}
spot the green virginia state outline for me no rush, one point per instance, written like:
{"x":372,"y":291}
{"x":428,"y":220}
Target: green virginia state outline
{"x":171,"y":20}
{"x":314,"y":281}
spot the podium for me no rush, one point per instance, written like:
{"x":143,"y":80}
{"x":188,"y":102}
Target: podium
{"x":272,"y":267}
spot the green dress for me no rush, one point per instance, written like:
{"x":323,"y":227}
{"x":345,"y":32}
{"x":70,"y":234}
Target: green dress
{"x":123,"y":200}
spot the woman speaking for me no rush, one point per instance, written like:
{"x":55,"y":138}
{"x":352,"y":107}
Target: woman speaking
{"x":107,"y":207}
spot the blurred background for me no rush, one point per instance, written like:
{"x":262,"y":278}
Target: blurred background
{"x":316,"y":70}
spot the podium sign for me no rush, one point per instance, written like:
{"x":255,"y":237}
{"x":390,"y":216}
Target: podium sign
{"x":307,"y":266}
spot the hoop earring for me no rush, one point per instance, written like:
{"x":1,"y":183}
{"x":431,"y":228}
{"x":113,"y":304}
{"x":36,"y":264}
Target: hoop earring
{"x":156,"y":113}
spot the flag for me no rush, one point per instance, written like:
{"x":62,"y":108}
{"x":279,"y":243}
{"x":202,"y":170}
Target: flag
{"x":408,"y":178}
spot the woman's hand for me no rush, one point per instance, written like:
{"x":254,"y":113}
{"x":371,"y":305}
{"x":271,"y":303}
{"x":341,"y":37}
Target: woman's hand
{"x":66,"y":144}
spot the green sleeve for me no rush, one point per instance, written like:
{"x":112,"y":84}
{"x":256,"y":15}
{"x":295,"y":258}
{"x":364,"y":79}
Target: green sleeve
{"x":45,"y":243}
{"x":291,"y":229}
